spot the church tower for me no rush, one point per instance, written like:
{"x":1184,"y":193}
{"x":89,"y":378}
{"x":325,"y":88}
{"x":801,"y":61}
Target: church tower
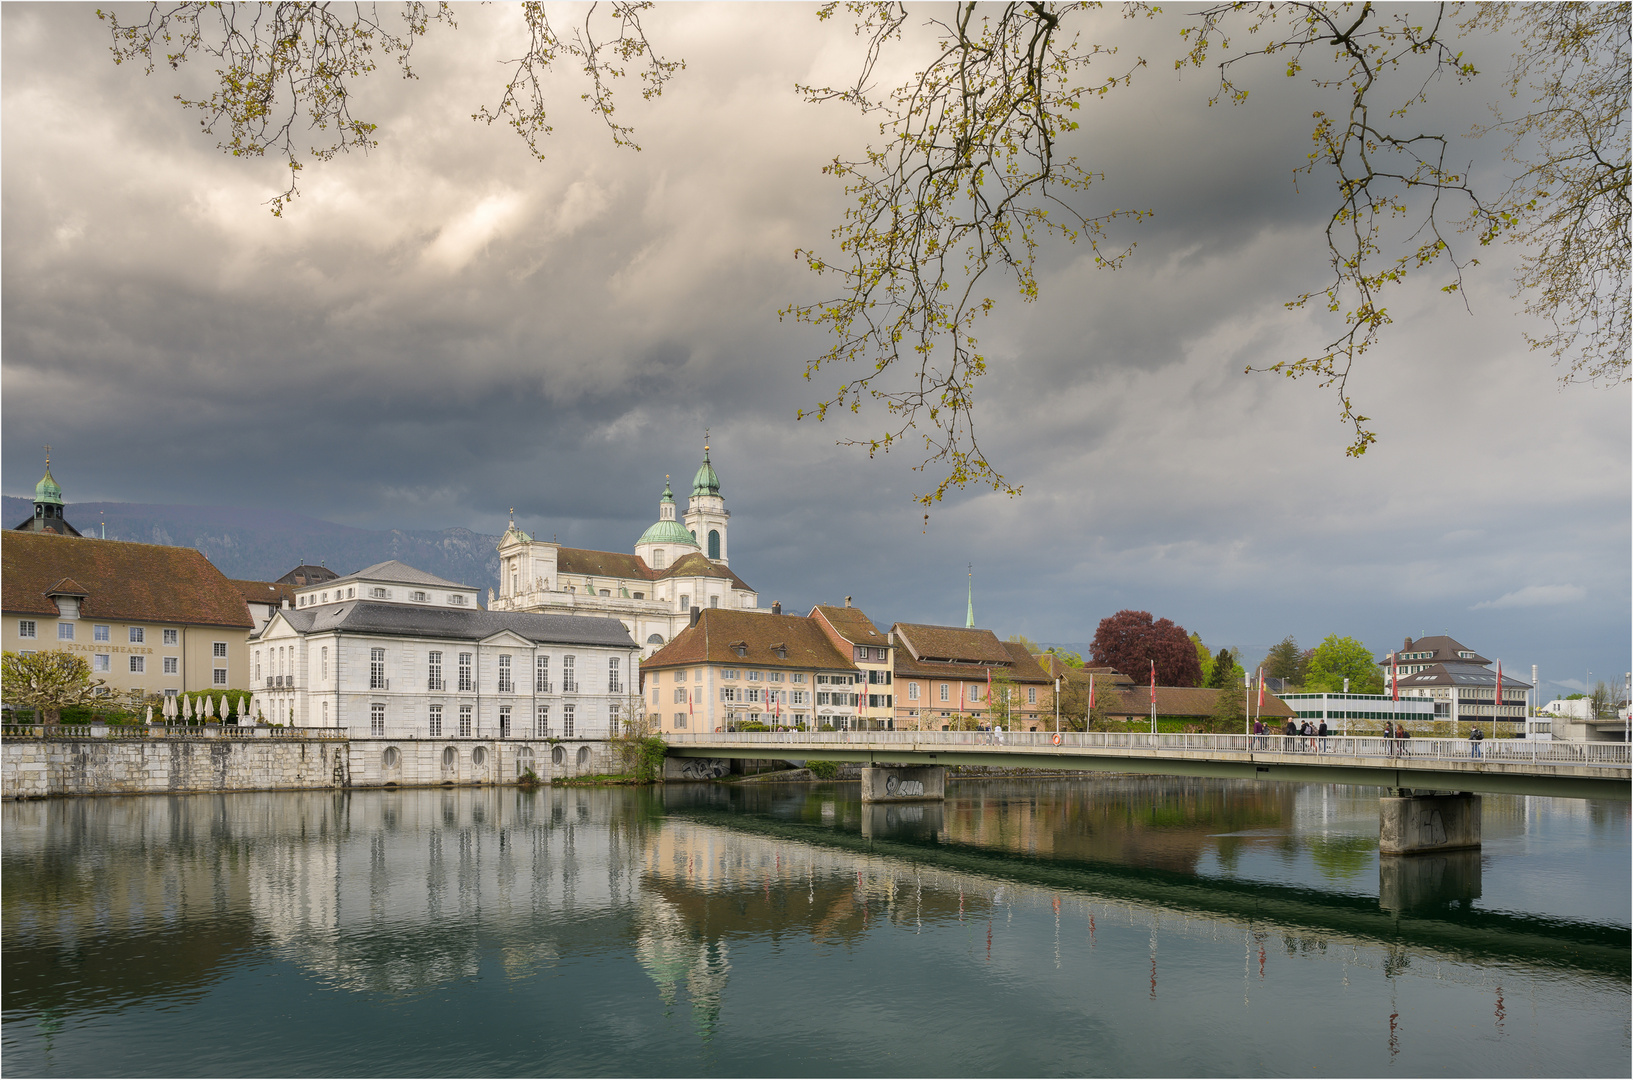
{"x":667,"y":541}
{"x":706,"y":513}
{"x":48,"y":506}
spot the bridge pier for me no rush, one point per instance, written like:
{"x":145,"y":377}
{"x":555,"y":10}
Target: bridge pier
{"x":903,"y":783}
{"x":1411,"y":823}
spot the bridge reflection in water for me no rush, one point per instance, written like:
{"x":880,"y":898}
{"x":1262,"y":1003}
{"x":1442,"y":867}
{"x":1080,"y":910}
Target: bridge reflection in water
{"x":746,"y":910}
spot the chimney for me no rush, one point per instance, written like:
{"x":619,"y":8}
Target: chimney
{"x":286,"y":602}
{"x":776,"y":607}
{"x":697,"y":613}
{"x":1407,"y":646}
{"x":847,"y":601}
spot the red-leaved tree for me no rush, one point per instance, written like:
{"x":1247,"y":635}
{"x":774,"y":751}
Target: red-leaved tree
{"x":1130,"y":640}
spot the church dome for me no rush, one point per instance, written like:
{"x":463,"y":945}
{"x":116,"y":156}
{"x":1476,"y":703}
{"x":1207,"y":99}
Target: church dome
{"x":667,"y":532}
{"x":47,"y":490}
{"x":705,"y":482}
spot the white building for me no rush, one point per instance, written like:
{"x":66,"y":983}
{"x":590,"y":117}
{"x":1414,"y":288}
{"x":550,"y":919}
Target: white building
{"x":393,"y":652}
{"x":674,"y":568}
{"x":1578,"y":709}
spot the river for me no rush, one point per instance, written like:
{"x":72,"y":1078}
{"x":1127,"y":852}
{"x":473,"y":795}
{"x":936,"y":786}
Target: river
{"x":1110,"y":926}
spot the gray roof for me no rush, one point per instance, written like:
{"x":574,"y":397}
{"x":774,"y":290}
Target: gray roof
{"x":402,"y":620}
{"x":1463,"y":673}
{"x":1441,"y":649}
{"x":401,"y":573}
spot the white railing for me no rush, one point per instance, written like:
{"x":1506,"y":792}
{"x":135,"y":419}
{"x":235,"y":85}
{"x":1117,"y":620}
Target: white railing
{"x":1542,"y":751}
{"x":163,"y":731}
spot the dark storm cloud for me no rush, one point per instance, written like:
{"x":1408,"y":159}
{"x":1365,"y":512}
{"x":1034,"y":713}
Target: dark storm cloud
{"x":447,"y":328}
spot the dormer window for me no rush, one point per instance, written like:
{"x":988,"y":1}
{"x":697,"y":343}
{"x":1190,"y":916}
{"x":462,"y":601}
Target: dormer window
{"x":740,"y":648}
{"x":781,"y":650}
{"x":378,"y":593}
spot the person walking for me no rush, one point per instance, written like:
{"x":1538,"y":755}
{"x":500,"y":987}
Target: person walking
{"x":1308,"y":732}
{"x":1321,"y":736}
{"x":1402,"y":735}
{"x":1290,"y":736}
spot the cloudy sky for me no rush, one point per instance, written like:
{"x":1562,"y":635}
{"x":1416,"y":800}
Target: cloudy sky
{"x":446,"y":328}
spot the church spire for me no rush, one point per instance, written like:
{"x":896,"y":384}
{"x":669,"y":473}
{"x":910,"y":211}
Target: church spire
{"x":969,"y":612}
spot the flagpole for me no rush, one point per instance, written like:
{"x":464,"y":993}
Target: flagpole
{"x":1153,"y":697}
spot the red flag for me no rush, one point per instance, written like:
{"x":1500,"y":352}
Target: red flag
{"x":1091,"y":691}
{"x":1153,"y":682}
{"x":1498,"y":701}
{"x":688,"y":703}
{"x":1261,"y":689}
{"x":989,"y":686}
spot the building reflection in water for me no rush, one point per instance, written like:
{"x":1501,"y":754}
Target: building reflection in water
{"x":390,"y":894}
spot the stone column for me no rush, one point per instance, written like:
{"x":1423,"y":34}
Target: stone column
{"x":1409,"y":823}
{"x":903,"y":783}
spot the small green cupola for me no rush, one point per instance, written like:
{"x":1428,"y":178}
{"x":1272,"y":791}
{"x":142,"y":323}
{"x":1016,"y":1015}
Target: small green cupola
{"x":706,"y":482}
{"x":47,"y":490}
{"x":48,"y":506}
{"x":666,"y":530}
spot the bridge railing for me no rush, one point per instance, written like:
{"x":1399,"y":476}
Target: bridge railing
{"x":1196,"y":744}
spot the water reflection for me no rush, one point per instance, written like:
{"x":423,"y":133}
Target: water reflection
{"x":735,"y":910}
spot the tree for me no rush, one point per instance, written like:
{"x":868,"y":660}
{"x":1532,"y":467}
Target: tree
{"x":1284,"y":661}
{"x":1130,"y":641}
{"x":1226,"y":669}
{"x":973,"y":175}
{"x":1032,"y":647}
{"x":1001,"y":699}
{"x":1075,"y":712}
{"x":50,"y":681}
{"x":1070,"y":659}
{"x":1603,"y":701}
{"x":1204,"y":658}
{"x":1339,"y":658}
{"x":1230,"y":707}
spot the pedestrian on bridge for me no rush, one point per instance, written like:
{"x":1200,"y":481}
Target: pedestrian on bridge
{"x":1476,"y":737}
{"x":1321,"y":734}
{"x":1290,"y":736}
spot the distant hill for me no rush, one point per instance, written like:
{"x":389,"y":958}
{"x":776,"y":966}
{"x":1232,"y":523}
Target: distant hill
{"x":261,"y":545}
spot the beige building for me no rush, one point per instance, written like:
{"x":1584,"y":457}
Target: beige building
{"x":945,"y":674}
{"x":149,"y":619}
{"x":853,"y":634}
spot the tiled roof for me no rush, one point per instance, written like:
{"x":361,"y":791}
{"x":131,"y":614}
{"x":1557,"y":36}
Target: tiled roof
{"x":67,"y":587}
{"x":265,"y":592}
{"x":459,"y":624}
{"x":851,"y":624}
{"x":1461,"y":673}
{"x":304,"y":575}
{"x":711,"y":641}
{"x":582,"y":561}
{"x":1026,"y":669}
{"x":1053,"y":666}
{"x":698,"y":565}
{"x":402,"y":574}
{"x":1441,"y":648}
{"x":908,"y":668}
{"x":120,"y":580}
{"x":954,"y":643}
{"x":1198,"y":701}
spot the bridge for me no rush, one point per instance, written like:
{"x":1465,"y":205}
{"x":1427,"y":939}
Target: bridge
{"x":902,"y":766}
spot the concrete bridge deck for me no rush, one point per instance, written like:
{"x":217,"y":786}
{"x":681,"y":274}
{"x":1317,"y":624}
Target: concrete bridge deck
{"x":1509,"y":766}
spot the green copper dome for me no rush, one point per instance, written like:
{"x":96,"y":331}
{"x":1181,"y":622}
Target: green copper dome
{"x":47,"y":491}
{"x":705,"y":482}
{"x":667,"y":532}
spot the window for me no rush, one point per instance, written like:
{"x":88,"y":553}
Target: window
{"x":505,"y":685}
{"x":1031,"y":695}
{"x":799,"y":697}
{"x":944,"y":696}
{"x":729,"y":673}
{"x":541,"y":675}
{"x":797,"y":677}
{"x":728,"y":693}
{"x":457,"y":599}
{"x":567,"y":721}
{"x":541,"y":723}
{"x":466,"y":682}
{"x":137,"y":635}
{"x":714,"y":601}
{"x":377,"y":720}
{"x":257,"y":665}
{"x":418,"y":596}
{"x":606,"y":592}
{"x":569,"y":683}
{"x":99,"y":633}
{"x":685,"y":602}
{"x":615,"y":676}
{"x":378,"y":593}
{"x":171,"y":637}
{"x":464,"y":721}
{"x":435,"y":721}
{"x":714,"y":543}
{"x":103,"y":662}
{"x":218,"y":677}
{"x":504,"y":721}
{"x":754,"y":694}
{"x":680,"y":721}
{"x":325,"y":714}
{"x":741,"y":650}
{"x":755,"y":676}
{"x":614,"y":719}
{"x":325,"y":599}
{"x":377,"y":669}
{"x":680,"y":676}
{"x":218,"y":650}
{"x":323,"y":655}
{"x":25,"y":628}
{"x":138,"y":664}
{"x":65,"y":631}
{"x":680,"y":695}
{"x":349,"y":594}
{"x":433,"y":671}
{"x":912,"y":691}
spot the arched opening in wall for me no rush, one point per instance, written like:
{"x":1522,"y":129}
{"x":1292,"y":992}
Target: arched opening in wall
{"x":479,"y":756}
{"x":392,"y":758}
{"x":714,"y":543}
{"x":583,"y":756}
{"x":524,"y":761}
{"x":450,"y":759}
{"x":558,"y":756}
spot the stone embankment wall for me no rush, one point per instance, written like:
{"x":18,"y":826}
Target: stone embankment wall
{"x":33,"y":768}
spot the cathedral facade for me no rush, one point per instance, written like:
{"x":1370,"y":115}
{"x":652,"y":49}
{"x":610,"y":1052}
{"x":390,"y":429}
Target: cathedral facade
{"x":679,"y":563}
